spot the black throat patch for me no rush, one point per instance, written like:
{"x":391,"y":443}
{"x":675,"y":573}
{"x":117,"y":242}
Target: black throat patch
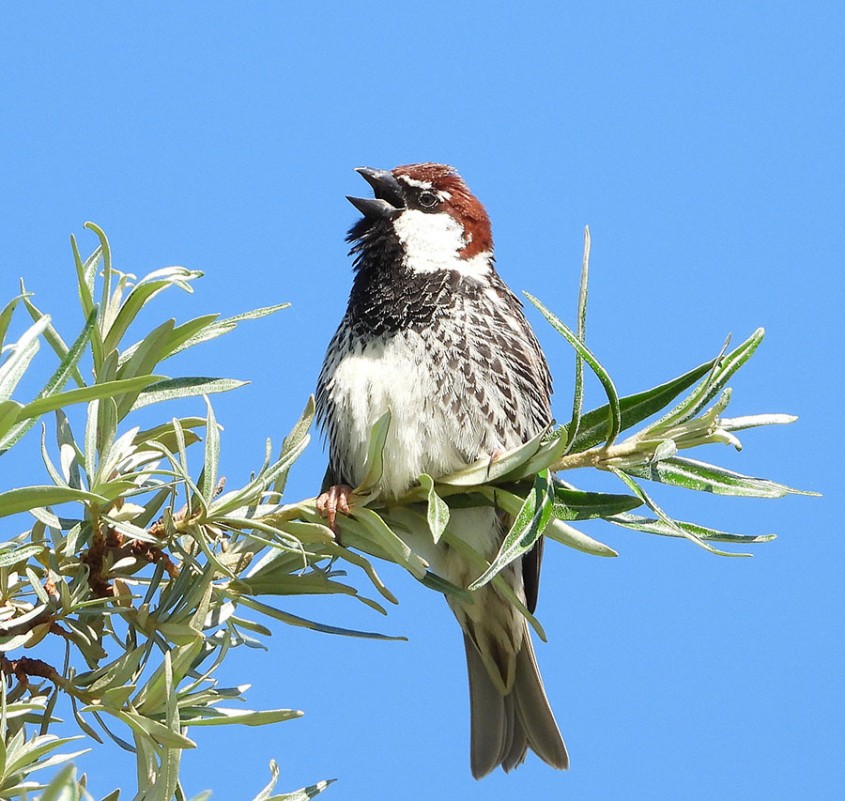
{"x":386,"y":296}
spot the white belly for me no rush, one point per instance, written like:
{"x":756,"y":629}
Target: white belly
{"x":424,"y":436}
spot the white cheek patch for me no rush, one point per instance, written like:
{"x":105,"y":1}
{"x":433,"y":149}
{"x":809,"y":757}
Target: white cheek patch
{"x":433,"y":242}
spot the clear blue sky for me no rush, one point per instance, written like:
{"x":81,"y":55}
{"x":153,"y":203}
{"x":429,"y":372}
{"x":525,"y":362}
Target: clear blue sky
{"x":703,"y":144}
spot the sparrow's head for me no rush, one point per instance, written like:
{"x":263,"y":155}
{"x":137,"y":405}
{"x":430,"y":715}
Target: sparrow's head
{"x":426,"y":213}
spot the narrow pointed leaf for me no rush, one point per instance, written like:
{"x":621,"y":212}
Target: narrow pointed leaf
{"x":614,"y":413}
{"x":578,"y":392}
{"x":438,"y":511}
{"x":374,"y":466}
{"x":668,"y":521}
{"x":21,"y":500}
{"x":652,"y":525}
{"x":572,"y":504}
{"x":635,"y":408}
{"x":723,"y":369}
{"x":220,"y":716}
{"x":212,"y":454}
{"x":294,"y":443}
{"x":295,"y":620}
{"x":172,"y":388}
{"x":527,"y":528}
{"x":695,"y":475}
{"x":570,"y":536}
{"x":386,"y":539}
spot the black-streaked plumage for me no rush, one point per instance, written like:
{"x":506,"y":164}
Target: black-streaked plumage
{"x":432,"y":333}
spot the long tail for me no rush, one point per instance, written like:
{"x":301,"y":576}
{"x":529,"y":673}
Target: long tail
{"x":504,"y":727}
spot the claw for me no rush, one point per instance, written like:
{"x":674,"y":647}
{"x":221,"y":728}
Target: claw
{"x":335,"y":499}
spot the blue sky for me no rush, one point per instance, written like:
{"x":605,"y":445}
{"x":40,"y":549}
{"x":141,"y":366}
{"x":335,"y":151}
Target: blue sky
{"x":702,"y":143}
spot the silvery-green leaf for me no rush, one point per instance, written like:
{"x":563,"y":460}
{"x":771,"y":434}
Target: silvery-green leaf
{"x":438,"y":511}
{"x":704,"y":477}
{"x":572,"y":504}
{"x":656,"y":526}
{"x":295,"y":442}
{"x":295,"y":620}
{"x":212,"y":453}
{"x":567,"y":535}
{"x":25,"y":498}
{"x":221,"y":716}
{"x":172,"y":388}
{"x":219,"y":327}
{"x":20,"y":554}
{"x":144,"y":291}
{"x":614,"y":411}
{"x":527,"y":528}
{"x":634,"y":408}
{"x":724,"y":367}
{"x":383,"y":536}
{"x":686,"y":533}
{"x":754,"y":420}
{"x":578,"y":391}
{"x":374,"y":466}
{"x":489,"y":469}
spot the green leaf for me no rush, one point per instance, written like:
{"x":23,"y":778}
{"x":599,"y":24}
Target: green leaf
{"x":695,"y":475}
{"x":567,"y":535}
{"x":216,"y":329}
{"x":165,"y":434}
{"x":511,"y":464}
{"x":212,"y":454}
{"x":9,"y":412}
{"x":172,"y":388}
{"x":54,"y":339}
{"x":19,"y":554}
{"x":143,"y":292}
{"x":6,"y":315}
{"x":26,"y":498}
{"x":635,"y":408}
{"x":26,"y":419}
{"x":108,"y":389}
{"x":686,"y":533}
{"x":614,"y":412}
{"x":85,"y":274}
{"x":294,"y":443}
{"x":220,"y":716}
{"x":438,"y":511}
{"x":157,"y":732}
{"x":20,"y":354}
{"x":572,"y":504}
{"x":374,"y":466}
{"x":440,"y":584}
{"x":656,"y":526}
{"x":383,"y":536}
{"x":295,"y":620}
{"x":578,"y":392}
{"x":527,"y":528}
{"x":722,"y":371}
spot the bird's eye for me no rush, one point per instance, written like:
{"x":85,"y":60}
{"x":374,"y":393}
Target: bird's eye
{"x":427,"y":200}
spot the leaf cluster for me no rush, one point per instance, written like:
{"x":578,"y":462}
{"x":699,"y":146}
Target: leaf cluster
{"x":145,"y":570}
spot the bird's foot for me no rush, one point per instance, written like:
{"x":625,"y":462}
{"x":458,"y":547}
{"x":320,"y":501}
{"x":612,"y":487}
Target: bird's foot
{"x":335,"y":499}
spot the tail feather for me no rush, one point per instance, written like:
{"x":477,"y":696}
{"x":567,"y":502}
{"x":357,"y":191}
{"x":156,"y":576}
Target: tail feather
{"x":504,"y":727}
{"x":533,"y":710}
{"x":489,"y":724}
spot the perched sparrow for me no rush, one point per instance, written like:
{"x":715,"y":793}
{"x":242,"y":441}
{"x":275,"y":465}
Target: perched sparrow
{"x":433,"y":334}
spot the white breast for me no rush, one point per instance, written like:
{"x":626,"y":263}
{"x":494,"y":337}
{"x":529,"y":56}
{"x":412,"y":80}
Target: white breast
{"x":424,"y":436}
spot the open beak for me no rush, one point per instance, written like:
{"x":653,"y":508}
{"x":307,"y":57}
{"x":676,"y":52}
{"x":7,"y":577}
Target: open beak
{"x":388,"y":201}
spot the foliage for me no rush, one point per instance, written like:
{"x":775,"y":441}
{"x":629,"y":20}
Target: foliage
{"x":148,"y":573}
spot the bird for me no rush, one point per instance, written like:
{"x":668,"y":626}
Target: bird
{"x":433,"y":335}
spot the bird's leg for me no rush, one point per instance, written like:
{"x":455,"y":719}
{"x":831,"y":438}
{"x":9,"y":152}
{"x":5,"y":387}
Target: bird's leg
{"x":335,"y":499}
